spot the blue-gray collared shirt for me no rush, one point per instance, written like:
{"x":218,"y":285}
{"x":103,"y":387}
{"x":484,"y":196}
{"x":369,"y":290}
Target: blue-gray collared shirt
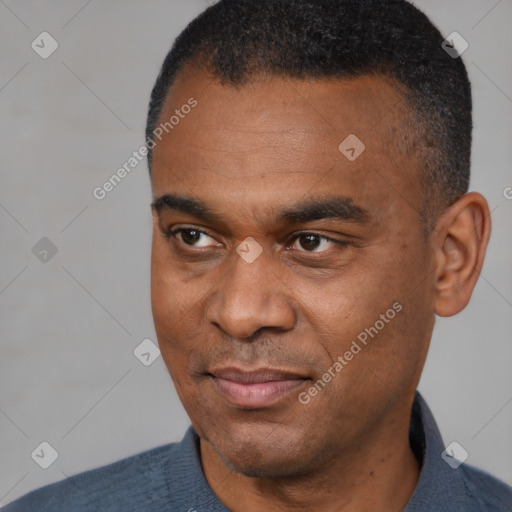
{"x":169,"y":478}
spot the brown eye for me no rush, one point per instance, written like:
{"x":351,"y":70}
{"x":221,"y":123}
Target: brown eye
{"x":311,"y":242}
{"x":190,"y":236}
{"x":193,"y":237}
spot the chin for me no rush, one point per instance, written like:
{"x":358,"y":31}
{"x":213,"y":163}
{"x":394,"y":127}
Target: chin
{"x":262,"y":451}
{"x":253,"y":463}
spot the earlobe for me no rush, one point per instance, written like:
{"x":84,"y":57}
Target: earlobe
{"x":461,"y":238}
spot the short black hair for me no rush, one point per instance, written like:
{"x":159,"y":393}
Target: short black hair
{"x":239,"y":40}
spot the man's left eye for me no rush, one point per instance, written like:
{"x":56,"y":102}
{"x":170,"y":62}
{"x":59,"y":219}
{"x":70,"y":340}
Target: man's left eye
{"x":312,"y":242}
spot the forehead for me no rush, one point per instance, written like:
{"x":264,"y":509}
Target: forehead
{"x":267,"y":106}
{"x":297,"y":135}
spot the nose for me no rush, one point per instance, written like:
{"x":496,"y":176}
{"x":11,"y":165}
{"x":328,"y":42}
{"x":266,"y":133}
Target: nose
{"x":249,"y":297}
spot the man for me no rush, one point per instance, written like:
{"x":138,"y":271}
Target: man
{"x":310,"y":166}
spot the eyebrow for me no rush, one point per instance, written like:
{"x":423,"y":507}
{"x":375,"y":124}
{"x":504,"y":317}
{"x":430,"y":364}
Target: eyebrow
{"x":334,"y":207}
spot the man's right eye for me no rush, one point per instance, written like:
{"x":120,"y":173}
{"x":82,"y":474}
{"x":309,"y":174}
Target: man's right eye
{"x":191,"y":236}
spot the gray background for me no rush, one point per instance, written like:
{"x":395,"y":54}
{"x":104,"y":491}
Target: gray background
{"x":69,"y":326}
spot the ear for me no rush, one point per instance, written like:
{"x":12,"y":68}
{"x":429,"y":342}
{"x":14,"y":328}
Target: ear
{"x":460,"y":240}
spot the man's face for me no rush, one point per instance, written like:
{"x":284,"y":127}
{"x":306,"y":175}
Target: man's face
{"x":264,"y":158}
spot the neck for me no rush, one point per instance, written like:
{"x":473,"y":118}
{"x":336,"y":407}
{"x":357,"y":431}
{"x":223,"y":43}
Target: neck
{"x":379,"y":474}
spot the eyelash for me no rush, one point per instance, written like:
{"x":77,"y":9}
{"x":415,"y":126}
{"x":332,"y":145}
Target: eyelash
{"x":172,"y":234}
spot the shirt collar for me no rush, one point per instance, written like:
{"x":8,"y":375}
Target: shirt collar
{"x":439,"y":487}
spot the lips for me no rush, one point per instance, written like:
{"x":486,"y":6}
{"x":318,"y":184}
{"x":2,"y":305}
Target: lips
{"x":256,"y":388}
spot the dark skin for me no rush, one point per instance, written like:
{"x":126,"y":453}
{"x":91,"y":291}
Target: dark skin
{"x":248,"y":154}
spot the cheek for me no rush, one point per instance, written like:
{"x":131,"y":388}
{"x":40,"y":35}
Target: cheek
{"x":171,"y":299}
{"x":171,"y":307}
{"x":371,"y":319}
{"x":340,"y":308}
{"x":178,"y":307}
{"x":395,"y":328}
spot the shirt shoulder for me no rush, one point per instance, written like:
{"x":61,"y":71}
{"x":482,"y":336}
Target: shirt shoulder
{"x":134,"y":483}
{"x":490,"y":493}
